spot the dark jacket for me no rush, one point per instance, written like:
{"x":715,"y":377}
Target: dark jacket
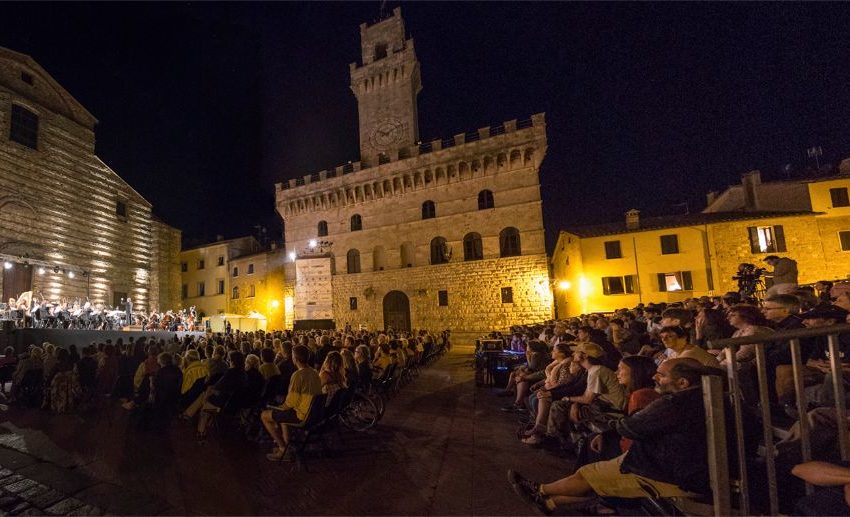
{"x":167,"y":385}
{"x":669,"y":441}
{"x":231,"y":384}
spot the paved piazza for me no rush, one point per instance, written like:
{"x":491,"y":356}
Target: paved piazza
{"x":442,"y":449}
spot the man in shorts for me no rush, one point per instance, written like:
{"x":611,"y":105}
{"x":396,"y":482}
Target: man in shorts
{"x":303,"y":386}
{"x":668,"y":453}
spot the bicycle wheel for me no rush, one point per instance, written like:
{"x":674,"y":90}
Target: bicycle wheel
{"x":361,"y":414}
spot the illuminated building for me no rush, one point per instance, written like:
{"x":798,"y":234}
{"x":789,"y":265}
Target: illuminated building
{"x":69,"y":225}
{"x":206,"y":273}
{"x":666,"y":259}
{"x":442,"y":234}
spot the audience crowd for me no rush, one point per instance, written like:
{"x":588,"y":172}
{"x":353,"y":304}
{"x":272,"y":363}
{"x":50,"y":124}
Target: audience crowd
{"x":621,"y":395}
{"x":270,"y":378}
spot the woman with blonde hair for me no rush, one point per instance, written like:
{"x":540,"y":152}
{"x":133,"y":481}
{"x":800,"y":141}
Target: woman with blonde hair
{"x":332,"y":375}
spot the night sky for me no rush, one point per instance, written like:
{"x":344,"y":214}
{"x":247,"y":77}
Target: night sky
{"x":204,"y":107}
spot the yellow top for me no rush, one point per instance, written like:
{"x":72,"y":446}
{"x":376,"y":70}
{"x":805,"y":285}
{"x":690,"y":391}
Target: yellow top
{"x":196,"y":370}
{"x":303,"y":386}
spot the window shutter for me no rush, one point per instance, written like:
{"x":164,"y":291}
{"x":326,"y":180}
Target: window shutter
{"x":687,"y":281}
{"x":606,"y":287}
{"x":779,"y":236}
{"x":844,"y":237}
{"x":662,"y":282}
{"x":631,"y":280}
{"x":754,"y":239}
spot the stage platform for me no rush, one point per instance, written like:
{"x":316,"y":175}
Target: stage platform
{"x":22,"y":338}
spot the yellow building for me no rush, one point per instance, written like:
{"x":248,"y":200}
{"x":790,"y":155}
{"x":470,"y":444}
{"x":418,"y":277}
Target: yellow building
{"x":257,"y":286}
{"x":205,"y":273}
{"x":604,"y":267}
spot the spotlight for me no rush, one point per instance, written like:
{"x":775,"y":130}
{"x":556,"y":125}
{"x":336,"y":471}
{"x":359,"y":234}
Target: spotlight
{"x":70,"y":274}
{"x":41,"y":271}
{"x":312,"y":243}
{"x":7,"y":265}
{"x":292,"y":256}
{"x":56,"y":270}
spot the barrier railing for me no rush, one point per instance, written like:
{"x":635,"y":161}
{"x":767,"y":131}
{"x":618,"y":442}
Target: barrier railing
{"x":721,"y":483}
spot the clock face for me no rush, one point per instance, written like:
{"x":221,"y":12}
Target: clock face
{"x":387,"y":134}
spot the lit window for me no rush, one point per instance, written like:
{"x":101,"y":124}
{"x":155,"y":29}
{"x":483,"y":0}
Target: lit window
{"x":767,"y":239}
{"x":675,"y":281}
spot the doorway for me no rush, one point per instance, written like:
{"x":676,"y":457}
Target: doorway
{"x":396,"y":311}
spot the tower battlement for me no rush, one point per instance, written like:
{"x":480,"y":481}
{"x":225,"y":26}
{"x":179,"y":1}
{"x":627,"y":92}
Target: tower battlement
{"x":446,"y":149}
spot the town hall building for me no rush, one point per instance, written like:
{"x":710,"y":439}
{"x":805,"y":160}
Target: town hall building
{"x":444,"y":234}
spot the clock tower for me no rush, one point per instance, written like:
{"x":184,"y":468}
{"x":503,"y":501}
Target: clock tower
{"x":386,"y":86}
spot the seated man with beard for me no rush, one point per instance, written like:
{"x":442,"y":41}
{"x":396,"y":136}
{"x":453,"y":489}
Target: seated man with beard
{"x":668,"y":451}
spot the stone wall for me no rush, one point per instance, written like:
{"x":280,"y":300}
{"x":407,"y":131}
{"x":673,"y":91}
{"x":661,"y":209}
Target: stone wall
{"x":473,"y":288}
{"x":165,"y":267}
{"x":59,"y":201}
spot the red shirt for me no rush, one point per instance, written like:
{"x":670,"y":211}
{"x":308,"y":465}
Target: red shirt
{"x":637,"y":401}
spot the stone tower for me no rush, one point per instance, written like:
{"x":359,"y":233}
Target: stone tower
{"x":386,"y":86}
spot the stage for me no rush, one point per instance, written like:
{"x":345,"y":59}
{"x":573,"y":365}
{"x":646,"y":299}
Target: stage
{"x":22,"y":338}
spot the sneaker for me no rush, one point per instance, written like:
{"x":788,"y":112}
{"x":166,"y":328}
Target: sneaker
{"x":529,"y":491}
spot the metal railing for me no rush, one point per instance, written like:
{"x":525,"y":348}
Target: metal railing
{"x":721,"y":483}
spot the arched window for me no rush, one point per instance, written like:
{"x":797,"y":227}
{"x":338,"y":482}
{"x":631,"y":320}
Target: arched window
{"x":379,"y":259}
{"x":429,"y":210}
{"x":356,"y":223}
{"x":440,"y":253}
{"x":509,"y":245}
{"x":472,"y":248}
{"x":485,"y":200}
{"x":408,"y":254}
{"x":353,"y":261}
{"x":323,"y":229}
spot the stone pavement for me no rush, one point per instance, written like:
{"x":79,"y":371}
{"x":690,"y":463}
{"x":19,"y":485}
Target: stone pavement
{"x":443,"y":448}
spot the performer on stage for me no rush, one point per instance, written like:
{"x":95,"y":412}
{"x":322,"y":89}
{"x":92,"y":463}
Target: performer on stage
{"x":128,"y":307}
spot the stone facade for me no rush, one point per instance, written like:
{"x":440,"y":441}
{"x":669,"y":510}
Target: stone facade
{"x":450,"y":213}
{"x":165,"y":267}
{"x":67,"y":220}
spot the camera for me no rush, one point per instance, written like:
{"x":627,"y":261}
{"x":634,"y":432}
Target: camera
{"x":748,"y":278}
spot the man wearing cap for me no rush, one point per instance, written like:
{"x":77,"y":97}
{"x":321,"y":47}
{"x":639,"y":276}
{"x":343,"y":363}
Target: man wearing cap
{"x":784,"y":275}
{"x":601,"y":384}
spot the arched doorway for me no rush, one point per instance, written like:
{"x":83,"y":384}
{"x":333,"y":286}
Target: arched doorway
{"x":396,"y":311}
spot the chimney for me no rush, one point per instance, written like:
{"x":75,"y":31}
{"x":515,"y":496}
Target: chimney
{"x":710,"y":198}
{"x":633,"y":219}
{"x":750,"y":182}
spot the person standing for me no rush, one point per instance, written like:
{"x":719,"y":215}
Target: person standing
{"x":784,"y":275}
